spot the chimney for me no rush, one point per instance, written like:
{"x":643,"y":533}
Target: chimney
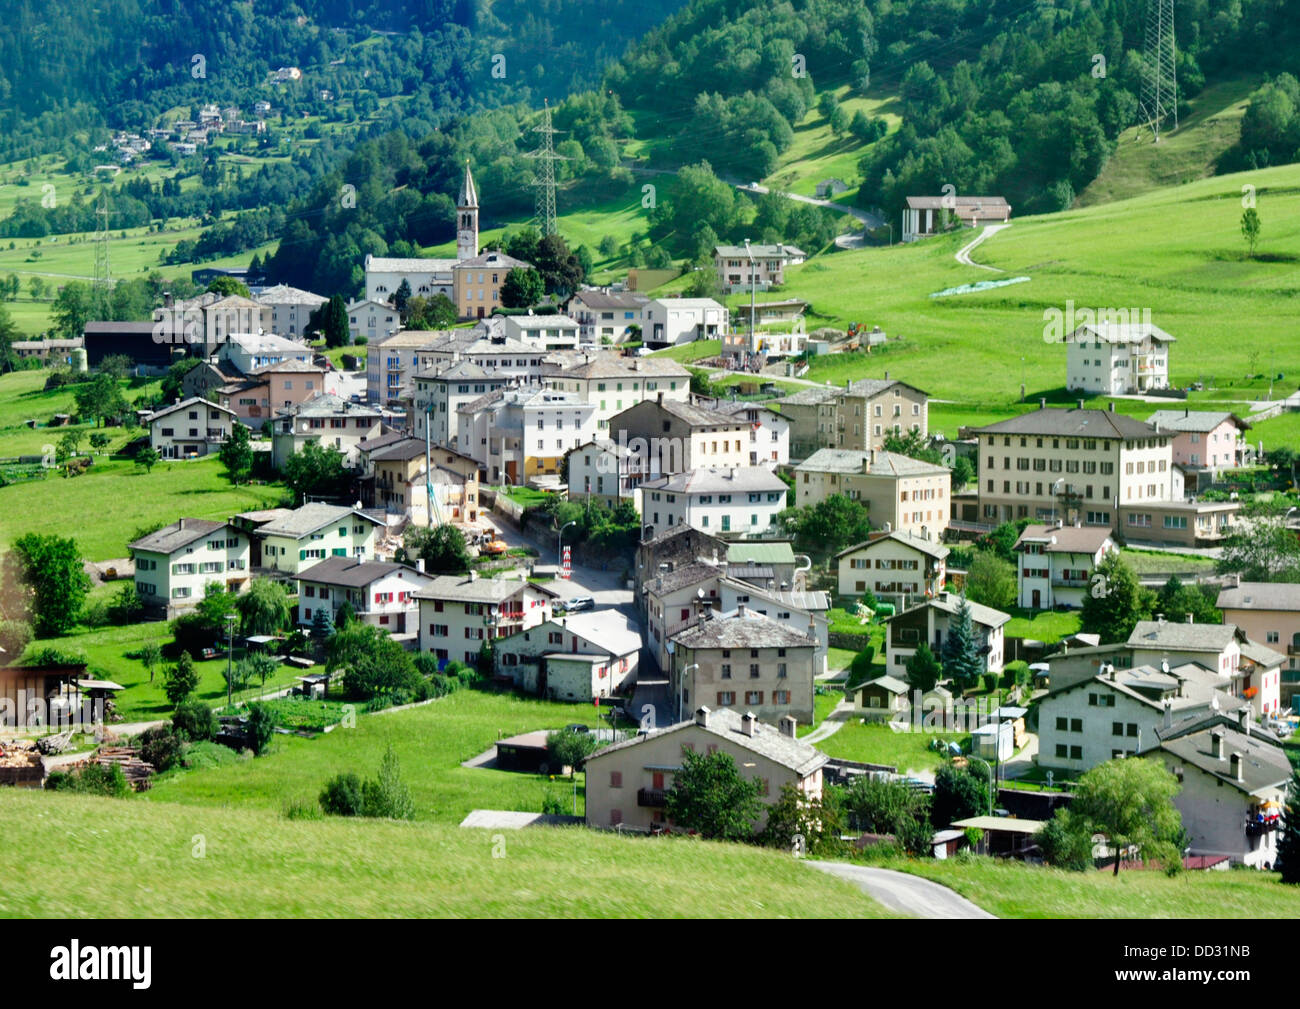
{"x":1187,"y":411}
{"x":702,"y":716}
{"x":848,"y":385}
{"x":886,"y":376}
{"x":180,"y":523}
{"x":740,"y":610}
{"x":1216,"y":744}
{"x":1234,"y":766}
{"x":1080,"y":404}
{"x":1167,"y":722}
{"x":1245,"y":720}
{"x":747,"y":723}
{"x":419,"y":565}
{"x":1190,"y":618}
{"x":788,"y":725}
{"x":473,"y":575}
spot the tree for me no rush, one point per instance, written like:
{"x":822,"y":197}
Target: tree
{"x":182,"y":679}
{"x":150,"y":657}
{"x":372,"y":662}
{"x":861,"y":668}
{"x":257,"y":666}
{"x":1114,"y":601}
{"x":961,"y":649}
{"x":15,"y":636}
{"x":402,"y":296}
{"x":322,"y":624}
{"x":237,"y":454}
{"x":566,"y":748}
{"x":801,"y":824}
{"x":99,"y":441}
{"x":839,"y":121}
{"x":1250,"y":228}
{"x":69,"y":444}
{"x":878,"y":805}
{"x":522,"y":288}
{"x":914,"y":445}
{"x":316,"y":470}
{"x":1177,"y":601}
{"x":1002,"y":540}
{"x":148,"y":457}
{"x":261,"y":727}
{"x":56,"y":583}
{"x":963,"y":473}
{"x":923,"y":670}
{"x":74,"y":306}
{"x":1261,"y":548}
{"x":437,"y":312}
{"x":1288,"y":842}
{"x":334,"y":323}
{"x":958,"y":795}
{"x":561,"y":270}
{"x":264,"y":608}
{"x":991,"y":581}
{"x":1065,"y":842}
{"x":100,"y":399}
{"x":442,"y":548}
{"x":830,"y":525}
{"x":1131,"y":801}
{"x":711,"y":798}
{"x":228,"y":287}
{"x":387,"y":796}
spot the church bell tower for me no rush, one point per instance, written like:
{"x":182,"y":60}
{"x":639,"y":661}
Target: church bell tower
{"x":467,"y":218}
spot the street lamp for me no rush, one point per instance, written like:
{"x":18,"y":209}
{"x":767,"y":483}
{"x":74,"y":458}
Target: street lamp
{"x":681,"y":692}
{"x":230,"y":653}
{"x":559,"y":544}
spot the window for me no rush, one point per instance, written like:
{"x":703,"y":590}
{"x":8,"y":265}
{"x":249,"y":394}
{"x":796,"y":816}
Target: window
{"x":753,"y":670}
{"x":726,"y":670}
{"x":615,"y":779}
{"x":1076,"y":752}
{"x":1076,"y":724}
{"x":1117,"y":728}
{"x":726,"y":698}
{"x":753,"y":697}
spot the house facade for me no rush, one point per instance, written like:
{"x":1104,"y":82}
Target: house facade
{"x":895,"y":567}
{"x":930,"y":622}
{"x":859,"y":416}
{"x":1203,"y":439}
{"x":757,"y":267}
{"x":1268,"y":612}
{"x":380,"y":593}
{"x":671,"y":321}
{"x":295,"y":540}
{"x":190,"y":429}
{"x":900,"y":493}
{"x":291,"y":309}
{"x":924,"y":216}
{"x":731,"y":503}
{"x":329,"y":420}
{"x":676,"y":436}
{"x":174,"y":565}
{"x":614,"y":384}
{"x":372,"y":320}
{"x":458,"y":613}
{"x":543,"y":332}
{"x":606,"y":317}
{"x":1055,"y":564}
{"x":576,"y":657}
{"x":1117,"y":358}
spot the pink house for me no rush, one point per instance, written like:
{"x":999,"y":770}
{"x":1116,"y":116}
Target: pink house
{"x":1204,"y":439}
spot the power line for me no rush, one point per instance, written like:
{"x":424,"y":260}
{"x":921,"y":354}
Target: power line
{"x":102,"y":279}
{"x":1159,"y":69}
{"x":544,"y":178}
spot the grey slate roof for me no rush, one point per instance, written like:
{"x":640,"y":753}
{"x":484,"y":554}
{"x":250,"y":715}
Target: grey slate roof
{"x":185,"y":404}
{"x":760,"y":251}
{"x":696,"y":416}
{"x":708,"y":480}
{"x":949,"y":603}
{"x":1066,"y":539}
{"x":936,"y":550}
{"x":809,"y":397}
{"x":1262,"y":655}
{"x":616,"y":366}
{"x":1284,"y":596}
{"x":752,"y":630}
{"x":681,"y":577}
{"x":607,"y":629}
{"x":767,"y":741}
{"x":886,"y":682}
{"x":1182,"y":636}
{"x":310,"y":517}
{"x":1071,"y":423}
{"x":357,"y":573}
{"x":1263,"y":763}
{"x":179,"y":534}
{"x":327,"y":404}
{"x":1200,"y":421}
{"x":461,"y":588}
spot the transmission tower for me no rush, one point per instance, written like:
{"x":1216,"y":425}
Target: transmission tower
{"x":102,"y":279}
{"x":544,"y":177}
{"x":1159,"y":74}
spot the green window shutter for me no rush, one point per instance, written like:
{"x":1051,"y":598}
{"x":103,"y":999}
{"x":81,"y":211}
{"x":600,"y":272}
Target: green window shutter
{"x":302,"y":555}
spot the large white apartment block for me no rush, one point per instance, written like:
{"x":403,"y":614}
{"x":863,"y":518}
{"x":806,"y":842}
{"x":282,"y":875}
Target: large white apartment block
{"x":523,"y":433}
{"x":670,"y":321}
{"x":1056,"y":563}
{"x":439,"y":394}
{"x":391,"y":365}
{"x":732,"y":503}
{"x":425,"y":277}
{"x":1081,"y":466}
{"x":613,"y":384}
{"x":380,"y":593}
{"x":174,"y":565}
{"x":756,"y":267}
{"x":607,"y":317}
{"x":291,"y":308}
{"x":330,"y":420}
{"x":1117,"y":358}
{"x":249,"y":351}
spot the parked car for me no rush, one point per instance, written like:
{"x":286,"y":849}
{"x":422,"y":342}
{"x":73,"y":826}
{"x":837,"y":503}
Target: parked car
{"x":578,"y":603}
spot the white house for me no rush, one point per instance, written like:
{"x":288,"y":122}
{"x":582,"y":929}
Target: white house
{"x":769,"y":432}
{"x":1056,"y":564}
{"x":930,"y":621}
{"x":426,"y":277}
{"x":330,"y":420}
{"x":895,"y":567}
{"x":574,"y":657}
{"x":380,"y":593}
{"x":291,"y":308}
{"x":613,"y":384}
{"x":249,"y":351}
{"x":372,"y":320}
{"x":1117,"y":358}
{"x":298,"y":539}
{"x":174,"y":565}
{"x":670,"y":321}
{"x":607,"y":317}
{"x":543,"y":332}
{"x":190,"y":429}
{"x":740,"y":501}
{"x":459,"y":612}
{"x":924,"y":216}
{"x":757,"y":267}
{"x":525,"y":432}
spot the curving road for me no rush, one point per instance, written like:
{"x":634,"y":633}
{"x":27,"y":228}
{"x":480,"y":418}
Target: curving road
{"x":963,"y":254}
{"x":904,"y":893}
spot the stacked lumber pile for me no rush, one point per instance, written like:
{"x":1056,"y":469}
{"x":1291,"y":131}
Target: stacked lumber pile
{"x":136,"y":771}
{"x":20,"y":765}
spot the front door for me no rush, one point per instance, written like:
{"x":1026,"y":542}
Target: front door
{"x":1038,"y":599}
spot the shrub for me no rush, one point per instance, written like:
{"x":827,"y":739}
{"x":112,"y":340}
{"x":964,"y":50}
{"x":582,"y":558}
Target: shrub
{"x":1015,"y":674}
{"x":161,"y":746}
{"x":860,"y":669}
{"x":15,"y":636}
{"x":301,"y":809}
{"x":195,"y":720}
{"x":201,"y":756}
{"x":553,"y":805}
{"x":191,"y":633}
{"x":387,"y":797}
{"x":990,"y":682}
{"x":341,"y":796}
{"x":92,"y":779}
{"x":261,"y":727}
{"x":182,"y":679}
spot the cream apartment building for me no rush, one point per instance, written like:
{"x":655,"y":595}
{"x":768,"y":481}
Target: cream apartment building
{"x":1077,"y":465}
{"x":613,"y":384}
{"x":296,"y":540}
{"x":1117,"y":358}
{"x":858,"y":416}
{"x":900,"y":493}
{"x":458,"y":613}
{"x":678,"y":436}
{"x":895,"y":567}
{"x":174,"y":565}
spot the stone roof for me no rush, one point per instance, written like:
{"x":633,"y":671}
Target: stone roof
{"x":293,"y":365}
{"x":1071,"y":423}
{"x":327,"y":404}
{"x":936,"y":550}
{"x":695,"y":416}
{"x":761,"y":251}
{"x":683,"y":576}
{"x":1284,"y":596}
{"x":810,"y":397}
{"x":1262,"y":655}
{"x":283,"y":294}
{"x":1263,"y":763}
{"x":1106,"y":331}
{"x":181,"y":533}
{"x":742,"y":628}
{"x":185,"y":404}
{"x":310,"y":517}
{"x":617,"y":366}
{"x":710,"y":481}
{"x":949,"y":603}
{"x":464,"y":588}
{"x":1186,"y":637}
{"x":611,"y":299}
{"x":385,"y":264}
{"x":767,"y":741}
{"x":607,"y":629}
{"x":888,"y":464}
{"x":492,"y":261}
{"x":1200,"y":421}
{"x":355,"y":572}
{"x":1066,"y":539}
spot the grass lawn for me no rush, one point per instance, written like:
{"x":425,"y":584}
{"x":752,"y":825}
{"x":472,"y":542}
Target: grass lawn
{"x":1048,"y":626}
{"x":693,"y":351}
{"x":839,"y":658}
{"x":873,"y":743}
{"x":1144,"y":561}
{"x":526,"y":496}
{"x":1015,"y":890}
{"x":431,"y":741}
{"x":106,"y":649}
{"x":356,"y":868}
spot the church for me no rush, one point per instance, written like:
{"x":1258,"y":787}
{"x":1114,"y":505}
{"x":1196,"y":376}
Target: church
{"x":472,"y":281}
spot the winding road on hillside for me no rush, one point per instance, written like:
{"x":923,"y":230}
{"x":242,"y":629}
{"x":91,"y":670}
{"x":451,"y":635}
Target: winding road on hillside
{"x":963,"y":254}
{"x":904,"y":893}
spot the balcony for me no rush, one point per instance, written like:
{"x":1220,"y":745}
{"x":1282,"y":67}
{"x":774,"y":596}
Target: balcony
{"x":1293,"y":649}
{"x":1069,"y":583}
{"x":654,"y":798}
{"x":1255,"y":828}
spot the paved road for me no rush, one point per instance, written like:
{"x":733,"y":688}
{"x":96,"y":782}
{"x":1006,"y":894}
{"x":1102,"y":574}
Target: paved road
{"x":904,"y":893}
{"x":963,"y":254}
{"x":833,"y":722}
{"x":868,"y":219}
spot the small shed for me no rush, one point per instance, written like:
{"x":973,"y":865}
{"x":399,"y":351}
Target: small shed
{"x":1002,"y":835}
{"x":1016,"y":717}
{"x":525,"y":752}
{"x":947,"y":843}
{"x":992,"y":741}
{"x":881,"y":698}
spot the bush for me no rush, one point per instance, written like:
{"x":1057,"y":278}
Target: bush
{"x":341,"y":796}
{"x":990,"y":682}
{"x":261,"y":727}
{"x":201,"y":756}
{"x":92,"y":779}
{"x":191,"y":633}
{"x":860,"y":669}
{"x":161,"y":746}
{"x":386,"y":797}
{"x":301,"y":809}
{"x":182,"y":679}
{"x":15,"y":636}
{"x":553,"y":805}
{"x":1015,"y":674}
{"x":195,"y":720}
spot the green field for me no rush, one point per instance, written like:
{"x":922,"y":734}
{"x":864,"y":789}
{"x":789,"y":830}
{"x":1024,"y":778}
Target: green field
{"x":164,"y":860}
{"x":1048,"y":626}
{"x":873,"y":743}
{"x":1014,"y":890}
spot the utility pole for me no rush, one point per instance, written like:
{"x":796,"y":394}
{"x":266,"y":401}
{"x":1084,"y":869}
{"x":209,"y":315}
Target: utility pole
{"x":545,"y":176}
{"x":1159,"y":70}
{"x":103,"y":280}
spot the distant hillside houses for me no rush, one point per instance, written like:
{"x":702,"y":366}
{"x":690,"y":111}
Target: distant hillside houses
{"x":924,"y":216}
{"x":756,"y":267}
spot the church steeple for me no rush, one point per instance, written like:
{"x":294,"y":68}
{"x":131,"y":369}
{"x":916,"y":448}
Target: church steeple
{"x":467,"y":218}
